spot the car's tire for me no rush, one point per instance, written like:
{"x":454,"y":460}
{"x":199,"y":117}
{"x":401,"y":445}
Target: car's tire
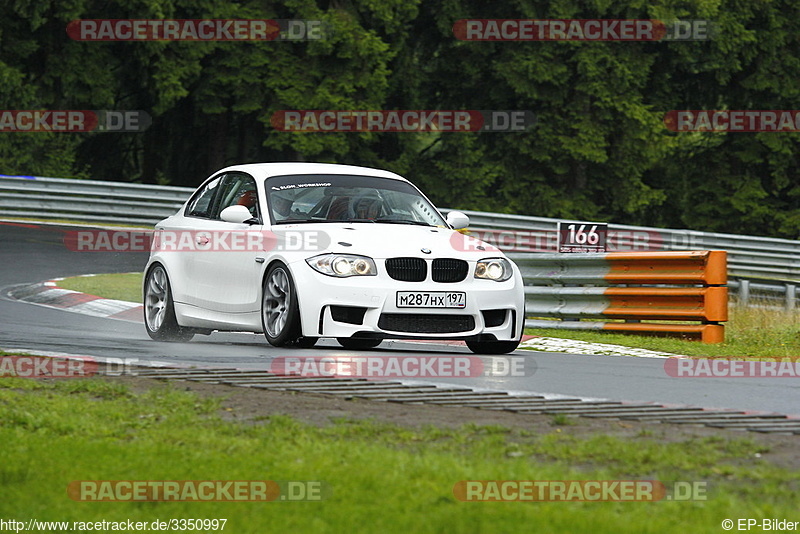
{"x":358,"y":343}
{"x":492,"y":347}
{"x":280,"y":312}
{"x":159,"y":308}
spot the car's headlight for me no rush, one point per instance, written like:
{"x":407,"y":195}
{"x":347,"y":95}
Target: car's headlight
{"x":497,"y":269}
{"x":343,"y":265}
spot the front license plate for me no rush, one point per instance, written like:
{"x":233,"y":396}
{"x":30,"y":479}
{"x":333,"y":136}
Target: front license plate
{"x":431,"y":299}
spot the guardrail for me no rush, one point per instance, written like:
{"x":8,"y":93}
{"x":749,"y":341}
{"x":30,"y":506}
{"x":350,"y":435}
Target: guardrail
{"x":761,"y":270}
{"x":773,"y":265}
{"x":89,"y":200}
{"x":748,"y":256}
{"x":644,"y":297}
{"x":766,"y":293}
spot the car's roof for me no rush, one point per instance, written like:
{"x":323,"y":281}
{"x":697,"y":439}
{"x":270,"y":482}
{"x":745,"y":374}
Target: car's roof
{"x":265,"y":170}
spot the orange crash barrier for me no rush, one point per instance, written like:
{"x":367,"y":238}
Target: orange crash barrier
{"x":657,"y":286}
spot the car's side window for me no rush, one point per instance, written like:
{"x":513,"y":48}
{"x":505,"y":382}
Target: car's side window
{"x":201,"y":204}
{"x":237,"y":189}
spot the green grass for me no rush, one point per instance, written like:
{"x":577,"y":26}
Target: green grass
{"x":126,"y":286}
{"x":751,"y":333}
{"x":562,"y":419}
{"x":381,"y":478}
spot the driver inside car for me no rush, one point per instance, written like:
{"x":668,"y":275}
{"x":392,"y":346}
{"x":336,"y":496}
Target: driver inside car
{"x":249,"y":199}
{"x":281,"y":207}
{"x":339,"y":210}
{"x":368,"y":207}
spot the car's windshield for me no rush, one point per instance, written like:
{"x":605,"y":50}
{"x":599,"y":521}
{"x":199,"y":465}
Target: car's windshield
{"x":345,"y":198}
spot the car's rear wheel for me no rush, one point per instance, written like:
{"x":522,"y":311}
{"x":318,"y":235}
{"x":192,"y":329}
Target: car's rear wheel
{"x":159,"y":309}
{"x":358,"y":343}
{"x":492,"y":347}
{"x":280,"y":313}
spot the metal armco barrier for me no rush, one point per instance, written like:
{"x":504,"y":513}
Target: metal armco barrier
{"x":772,"y":265}
{"x":89,"y":200}
{"x":765,"y":293}
{"x":707,"y":304}
{"x":764,"y":258}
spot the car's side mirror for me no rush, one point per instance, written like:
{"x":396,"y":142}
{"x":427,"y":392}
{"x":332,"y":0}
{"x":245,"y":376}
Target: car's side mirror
{"x":237,"y":214}
{"x":457,"y":220}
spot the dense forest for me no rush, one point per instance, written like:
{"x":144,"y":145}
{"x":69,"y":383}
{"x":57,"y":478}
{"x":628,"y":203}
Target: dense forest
{"x":600,"y":149}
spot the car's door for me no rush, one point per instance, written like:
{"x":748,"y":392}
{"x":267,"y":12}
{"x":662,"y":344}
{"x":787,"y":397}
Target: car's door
{"x":176,"y":238}
{"x":223,"y":271}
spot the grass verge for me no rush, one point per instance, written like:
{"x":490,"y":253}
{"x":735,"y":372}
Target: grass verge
{"x":752,"y":332}
{"x":382,"y":478}
{"x":125,"y":286}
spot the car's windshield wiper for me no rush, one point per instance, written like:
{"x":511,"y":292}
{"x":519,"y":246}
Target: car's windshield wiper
{"x":401,"y":221}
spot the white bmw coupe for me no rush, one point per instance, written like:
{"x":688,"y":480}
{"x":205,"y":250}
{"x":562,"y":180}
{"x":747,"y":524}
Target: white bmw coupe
{"x":301,"y":251}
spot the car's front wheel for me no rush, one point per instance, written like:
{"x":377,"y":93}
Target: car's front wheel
{"x":159,"y":309}
{"x":280,"y":313}
{"x":492,"y":347}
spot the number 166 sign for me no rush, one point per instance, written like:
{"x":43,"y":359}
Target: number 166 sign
{"x":582,"y":237}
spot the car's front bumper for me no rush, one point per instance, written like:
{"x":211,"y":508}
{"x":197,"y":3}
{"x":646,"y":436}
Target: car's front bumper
{"x":366,"y":306}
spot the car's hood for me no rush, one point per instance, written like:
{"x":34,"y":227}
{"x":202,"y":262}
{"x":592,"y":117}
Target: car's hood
{"x":379,"y":240}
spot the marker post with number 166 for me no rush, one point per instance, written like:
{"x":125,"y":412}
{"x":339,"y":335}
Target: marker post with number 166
{"x":582,"y":237}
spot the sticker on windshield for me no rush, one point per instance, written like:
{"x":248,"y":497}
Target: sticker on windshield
{"x":298,"y":186}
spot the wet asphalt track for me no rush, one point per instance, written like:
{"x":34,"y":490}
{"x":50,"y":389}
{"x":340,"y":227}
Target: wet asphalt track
{"x":31,"y":253}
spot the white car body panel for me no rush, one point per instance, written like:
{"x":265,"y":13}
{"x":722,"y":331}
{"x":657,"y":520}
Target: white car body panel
{"x":221,"y":290}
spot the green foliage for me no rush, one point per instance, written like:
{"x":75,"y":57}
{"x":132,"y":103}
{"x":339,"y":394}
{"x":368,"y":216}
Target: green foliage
{"x":600,"y":149}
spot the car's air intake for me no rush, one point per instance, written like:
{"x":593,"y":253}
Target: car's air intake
{"x":449,"y":270}
{"x":426,"y":323}
{"x":407,"y":269}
